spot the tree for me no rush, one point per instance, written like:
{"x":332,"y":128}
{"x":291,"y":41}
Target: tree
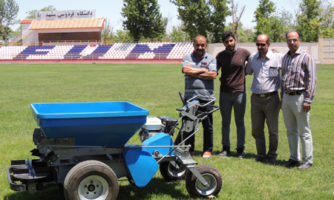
{"x":203,"y":17}
{"x":327,"y":20}
{"x":177,"y":35}
{"x":218,"y":13}
{"x":281,"y":24}
{"x":194,"y":16}
{"x":31,"y":14}
{"x":143,"y":19}
{"x":236,"y":18}
{"x":245,"y":35}
{"x":308,"y":20}
{"x":271,"y":23}
{"x":8,"y":14}
{"x":122,"y":36}
{"x":107,"y":34}
{"x":263,"y":15}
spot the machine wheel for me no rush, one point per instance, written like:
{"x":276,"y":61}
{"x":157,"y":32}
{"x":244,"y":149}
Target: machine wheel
{"x":91,"y":179}
{"x":196,"y":189}
{"x":172,"y":170}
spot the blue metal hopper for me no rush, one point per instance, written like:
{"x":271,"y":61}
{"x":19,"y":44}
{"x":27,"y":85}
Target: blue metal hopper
{"x":109,"y":124}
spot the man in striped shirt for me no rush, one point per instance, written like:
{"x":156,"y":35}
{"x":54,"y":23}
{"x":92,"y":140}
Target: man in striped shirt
{"x":298,"y":86}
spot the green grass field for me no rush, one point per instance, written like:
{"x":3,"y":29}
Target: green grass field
{"x":155,"y":87}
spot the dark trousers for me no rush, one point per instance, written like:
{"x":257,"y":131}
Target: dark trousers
{"x":237,"y":102}
{"x":265,"y":109}
{"x":207,"y":124}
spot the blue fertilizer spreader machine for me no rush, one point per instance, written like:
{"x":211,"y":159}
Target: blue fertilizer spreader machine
{"x":83,"y":147}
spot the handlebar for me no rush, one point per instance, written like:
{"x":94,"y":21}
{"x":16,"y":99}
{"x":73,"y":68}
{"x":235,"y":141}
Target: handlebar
{"x":203,"y":115}
{"x":211,"y":100}
{"x":195,"y":101}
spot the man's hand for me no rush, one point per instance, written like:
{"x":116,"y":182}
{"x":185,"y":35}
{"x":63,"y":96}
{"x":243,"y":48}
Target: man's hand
{"x":194,"y":72}
{"x":306,"y":107}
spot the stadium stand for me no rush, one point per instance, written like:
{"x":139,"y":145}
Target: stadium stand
{"x":75,"y":35}
{"x":118,"y":51}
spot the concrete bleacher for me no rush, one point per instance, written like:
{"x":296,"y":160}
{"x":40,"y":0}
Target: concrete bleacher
{"x":118,"y":51}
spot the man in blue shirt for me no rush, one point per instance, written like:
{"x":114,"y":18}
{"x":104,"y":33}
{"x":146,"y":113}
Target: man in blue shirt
{"x":200,"y":70}
{"x":265,"y":102}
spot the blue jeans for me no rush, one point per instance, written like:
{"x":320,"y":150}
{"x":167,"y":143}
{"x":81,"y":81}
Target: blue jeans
{"x":238,"y":102}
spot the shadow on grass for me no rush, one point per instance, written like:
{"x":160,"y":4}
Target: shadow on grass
{"x":252,"y":156}
{"x":156,"y":187}
{"x":50,"y":193}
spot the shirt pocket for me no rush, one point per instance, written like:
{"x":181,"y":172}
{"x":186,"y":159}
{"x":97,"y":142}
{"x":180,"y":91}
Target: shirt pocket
{"x":273,"y":72}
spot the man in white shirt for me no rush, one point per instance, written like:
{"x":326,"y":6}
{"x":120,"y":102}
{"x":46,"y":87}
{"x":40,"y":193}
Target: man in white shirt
{"x":265,"y":102}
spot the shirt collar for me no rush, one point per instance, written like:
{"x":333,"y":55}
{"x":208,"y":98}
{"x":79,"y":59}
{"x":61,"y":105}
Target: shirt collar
{"x":194,"y":56}
{"x":268,"y":55}
{"x":299,"y":51}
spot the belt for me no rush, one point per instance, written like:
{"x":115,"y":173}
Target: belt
{"x":293,"y":92}
{"x":266,"y":94}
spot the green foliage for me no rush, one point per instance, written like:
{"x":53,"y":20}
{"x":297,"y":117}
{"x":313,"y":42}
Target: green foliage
{"x":281,"y":24}
{"x":327,"y":20}
{"x":218,"y":13}
{"x":203,"y":17}
{"x":143,"y":19}
{"x":308,"y":20}
{"x":194,"y":16}
{"x":269,"y":22}
{"x":245,"y":35}
{"x":264,"y":18}
{"x":177,"y":35}
{"x":107,"y":34}
{"x":8,"y":14}
{"x":122,"y":36}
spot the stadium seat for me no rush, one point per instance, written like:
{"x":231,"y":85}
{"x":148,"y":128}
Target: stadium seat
{"x":117,"y":51}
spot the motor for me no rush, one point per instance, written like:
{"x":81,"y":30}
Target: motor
{"x":155,"y":125}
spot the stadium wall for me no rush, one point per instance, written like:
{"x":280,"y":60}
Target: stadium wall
{"x":322,"y":51}
{"x":282,"y":47}
{"x":326,"y":49}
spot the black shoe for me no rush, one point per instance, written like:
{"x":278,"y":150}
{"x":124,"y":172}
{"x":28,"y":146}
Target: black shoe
{"x":241,"y":155}
{"x":240,"y":152}
{"x":224,"y":154}
{"x":260,"y":159}
{"x":305,"y":166}
{"x":292,"y":163}
{"x":271,"y":160}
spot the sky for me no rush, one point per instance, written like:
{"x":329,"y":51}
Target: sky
{"x":111,"y":9}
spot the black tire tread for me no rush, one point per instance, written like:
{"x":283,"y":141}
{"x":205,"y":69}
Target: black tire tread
{"x":165,"y":174}
{"x":202,"y":169}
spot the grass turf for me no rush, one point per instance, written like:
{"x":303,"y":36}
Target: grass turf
{"x":155,"y":87}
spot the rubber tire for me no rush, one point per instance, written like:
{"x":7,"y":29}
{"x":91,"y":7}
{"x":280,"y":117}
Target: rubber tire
{"x":208,"y":172}
{"x":89,"y":168}
{"x":165,"y":171}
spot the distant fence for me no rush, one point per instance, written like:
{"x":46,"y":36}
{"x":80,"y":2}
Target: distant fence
{"x":322,"y":51}
{"x":326,"y":49}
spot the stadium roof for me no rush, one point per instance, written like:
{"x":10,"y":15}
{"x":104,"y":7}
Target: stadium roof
{"x":65,"y":24}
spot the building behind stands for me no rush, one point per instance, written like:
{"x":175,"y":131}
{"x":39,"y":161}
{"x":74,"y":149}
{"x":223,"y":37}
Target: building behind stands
{"x":75,"y":26}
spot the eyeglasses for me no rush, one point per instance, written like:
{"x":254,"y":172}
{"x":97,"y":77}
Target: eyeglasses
{"x":260,"y":44}
{"x":200,"y":45}
{"x":292,"y":40}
